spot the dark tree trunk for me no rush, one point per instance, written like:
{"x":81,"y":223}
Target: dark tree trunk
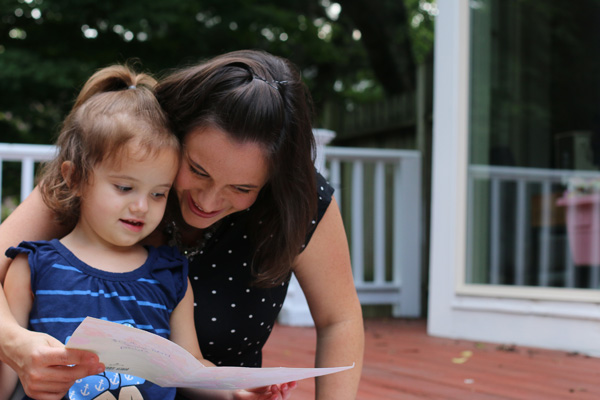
{"x":385,"y":33}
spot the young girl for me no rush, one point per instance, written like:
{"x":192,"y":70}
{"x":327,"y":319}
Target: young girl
{"x":116,"y":164}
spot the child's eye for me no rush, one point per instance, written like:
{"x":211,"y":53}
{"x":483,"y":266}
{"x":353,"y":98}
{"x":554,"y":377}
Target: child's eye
{"x":159,"y":194}
{"x":121,"y":188}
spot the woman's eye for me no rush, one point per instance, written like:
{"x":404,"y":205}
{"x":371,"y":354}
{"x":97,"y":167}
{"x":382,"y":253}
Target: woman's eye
{"x":198,"y":173}
{"x":241,"y":189}
{"x":121,"y":188}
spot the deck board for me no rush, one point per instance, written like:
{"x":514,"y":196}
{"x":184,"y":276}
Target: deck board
{"x":403,"y":362}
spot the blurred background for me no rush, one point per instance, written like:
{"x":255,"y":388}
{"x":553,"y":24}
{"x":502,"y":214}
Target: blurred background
{"x":368,"y":65}
{"x":350,"y":52}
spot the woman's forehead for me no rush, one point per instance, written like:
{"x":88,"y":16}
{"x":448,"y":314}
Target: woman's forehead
{"x":220,"y":155}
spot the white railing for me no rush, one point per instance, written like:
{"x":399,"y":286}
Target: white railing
{"x":27,"y":155}
{"x":386,"y":264}
{"x":546,"y":182}
{"x":393,"y":201}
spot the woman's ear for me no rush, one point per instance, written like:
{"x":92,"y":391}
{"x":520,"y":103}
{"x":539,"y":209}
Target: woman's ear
{"x":66,"y":170}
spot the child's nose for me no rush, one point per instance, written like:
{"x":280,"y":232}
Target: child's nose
{"x":140,"y":204}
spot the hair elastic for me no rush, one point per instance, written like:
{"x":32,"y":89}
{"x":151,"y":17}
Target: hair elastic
{"x":274,"y":84}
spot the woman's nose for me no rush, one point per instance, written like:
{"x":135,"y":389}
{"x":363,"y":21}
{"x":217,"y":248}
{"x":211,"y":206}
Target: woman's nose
{"x":209,"y":198}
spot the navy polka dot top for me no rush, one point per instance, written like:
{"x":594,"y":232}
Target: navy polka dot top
{"x":233,"y":320}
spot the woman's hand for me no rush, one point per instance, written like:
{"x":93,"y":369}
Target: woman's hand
{"x":274,"y":392}
{"x":45,"y":367}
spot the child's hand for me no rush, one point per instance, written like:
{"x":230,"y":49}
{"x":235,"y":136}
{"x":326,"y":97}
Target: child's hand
{"x":273,"y":392}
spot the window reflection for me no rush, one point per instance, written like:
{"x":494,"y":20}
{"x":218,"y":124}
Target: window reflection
{"x":534,"y":144}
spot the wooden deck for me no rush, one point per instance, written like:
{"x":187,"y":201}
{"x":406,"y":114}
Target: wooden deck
{"x":403,"y":362}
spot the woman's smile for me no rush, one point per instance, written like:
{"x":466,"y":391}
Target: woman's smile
{"x":200,"y":211}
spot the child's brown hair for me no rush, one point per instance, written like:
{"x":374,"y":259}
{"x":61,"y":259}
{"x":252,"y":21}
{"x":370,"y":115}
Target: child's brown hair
{"x":115,"y":110}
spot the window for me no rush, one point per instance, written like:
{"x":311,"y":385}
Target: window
{"x":534,"y":144}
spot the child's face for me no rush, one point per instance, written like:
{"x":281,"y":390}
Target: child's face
{"x":125,"y":201}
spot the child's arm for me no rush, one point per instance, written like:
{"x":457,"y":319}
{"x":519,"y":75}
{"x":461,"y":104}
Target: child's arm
{"x":183,"y":332}
{"x":183,"y":328}
{"x":17,"y":287}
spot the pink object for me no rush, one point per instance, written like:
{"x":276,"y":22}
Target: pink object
{"x":583,"y":227}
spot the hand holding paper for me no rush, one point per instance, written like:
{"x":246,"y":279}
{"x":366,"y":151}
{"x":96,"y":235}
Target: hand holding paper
{"x":135,"y":352}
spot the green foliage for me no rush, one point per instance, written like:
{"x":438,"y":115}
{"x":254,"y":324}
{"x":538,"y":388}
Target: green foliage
{"x":421,"y":19}
{"x":48,"y":48}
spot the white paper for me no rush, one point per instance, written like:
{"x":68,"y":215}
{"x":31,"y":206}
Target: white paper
{"x":132,"y":351}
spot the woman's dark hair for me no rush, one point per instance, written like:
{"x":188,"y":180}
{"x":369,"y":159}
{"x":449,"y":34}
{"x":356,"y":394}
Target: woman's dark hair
{"x":257,"y":98}
{"x":116,"y":107}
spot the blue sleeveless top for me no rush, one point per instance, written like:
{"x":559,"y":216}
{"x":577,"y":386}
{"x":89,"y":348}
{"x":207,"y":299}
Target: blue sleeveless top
{"x":67,"y":290}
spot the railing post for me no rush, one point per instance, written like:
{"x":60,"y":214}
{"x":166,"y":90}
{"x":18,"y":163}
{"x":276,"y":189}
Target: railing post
{"x":357,"y":226}
{"x":379,"y":224}
{"x":322,"y":139}
{"x":27,"y":177}
{"x":27,"y":155}
{"x":407,"y":235}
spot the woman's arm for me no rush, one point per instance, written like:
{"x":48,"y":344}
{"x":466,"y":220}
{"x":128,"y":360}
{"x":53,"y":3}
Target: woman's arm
{"x":40,"y":360}
{"x":19,"y":299}
{"x":31,"y":220}
{"x":324,"y":272}
{"x":183,"y":332}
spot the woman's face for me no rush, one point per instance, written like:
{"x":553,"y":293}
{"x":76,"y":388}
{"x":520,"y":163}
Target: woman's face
{"x":218,"y":176}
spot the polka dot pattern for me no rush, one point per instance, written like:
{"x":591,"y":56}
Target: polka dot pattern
{"x":234,"y":319}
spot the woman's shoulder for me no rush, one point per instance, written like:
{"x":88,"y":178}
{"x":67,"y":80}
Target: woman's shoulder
{"x":324,"y":193}
{"x":325,"y":196}
{"x":324,"y":188}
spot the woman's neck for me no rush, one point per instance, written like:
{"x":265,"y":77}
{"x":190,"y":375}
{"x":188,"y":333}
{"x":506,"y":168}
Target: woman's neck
{"x":187,"y":234}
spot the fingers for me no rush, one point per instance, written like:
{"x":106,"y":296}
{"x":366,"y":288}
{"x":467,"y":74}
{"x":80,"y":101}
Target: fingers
{"x":274,"y":392}
{"x":64,"y":364}
{"x":56,"y":354}
{"x":283,"y":391}
{"x":287,"y":389}
{"x":51,"y":369}
{"x":52,"y":382}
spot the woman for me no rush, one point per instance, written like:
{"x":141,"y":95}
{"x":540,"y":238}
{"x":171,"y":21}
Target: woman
{"x":249,"y":210}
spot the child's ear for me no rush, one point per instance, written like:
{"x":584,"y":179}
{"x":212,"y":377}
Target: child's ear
{"x":66,"y":170}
